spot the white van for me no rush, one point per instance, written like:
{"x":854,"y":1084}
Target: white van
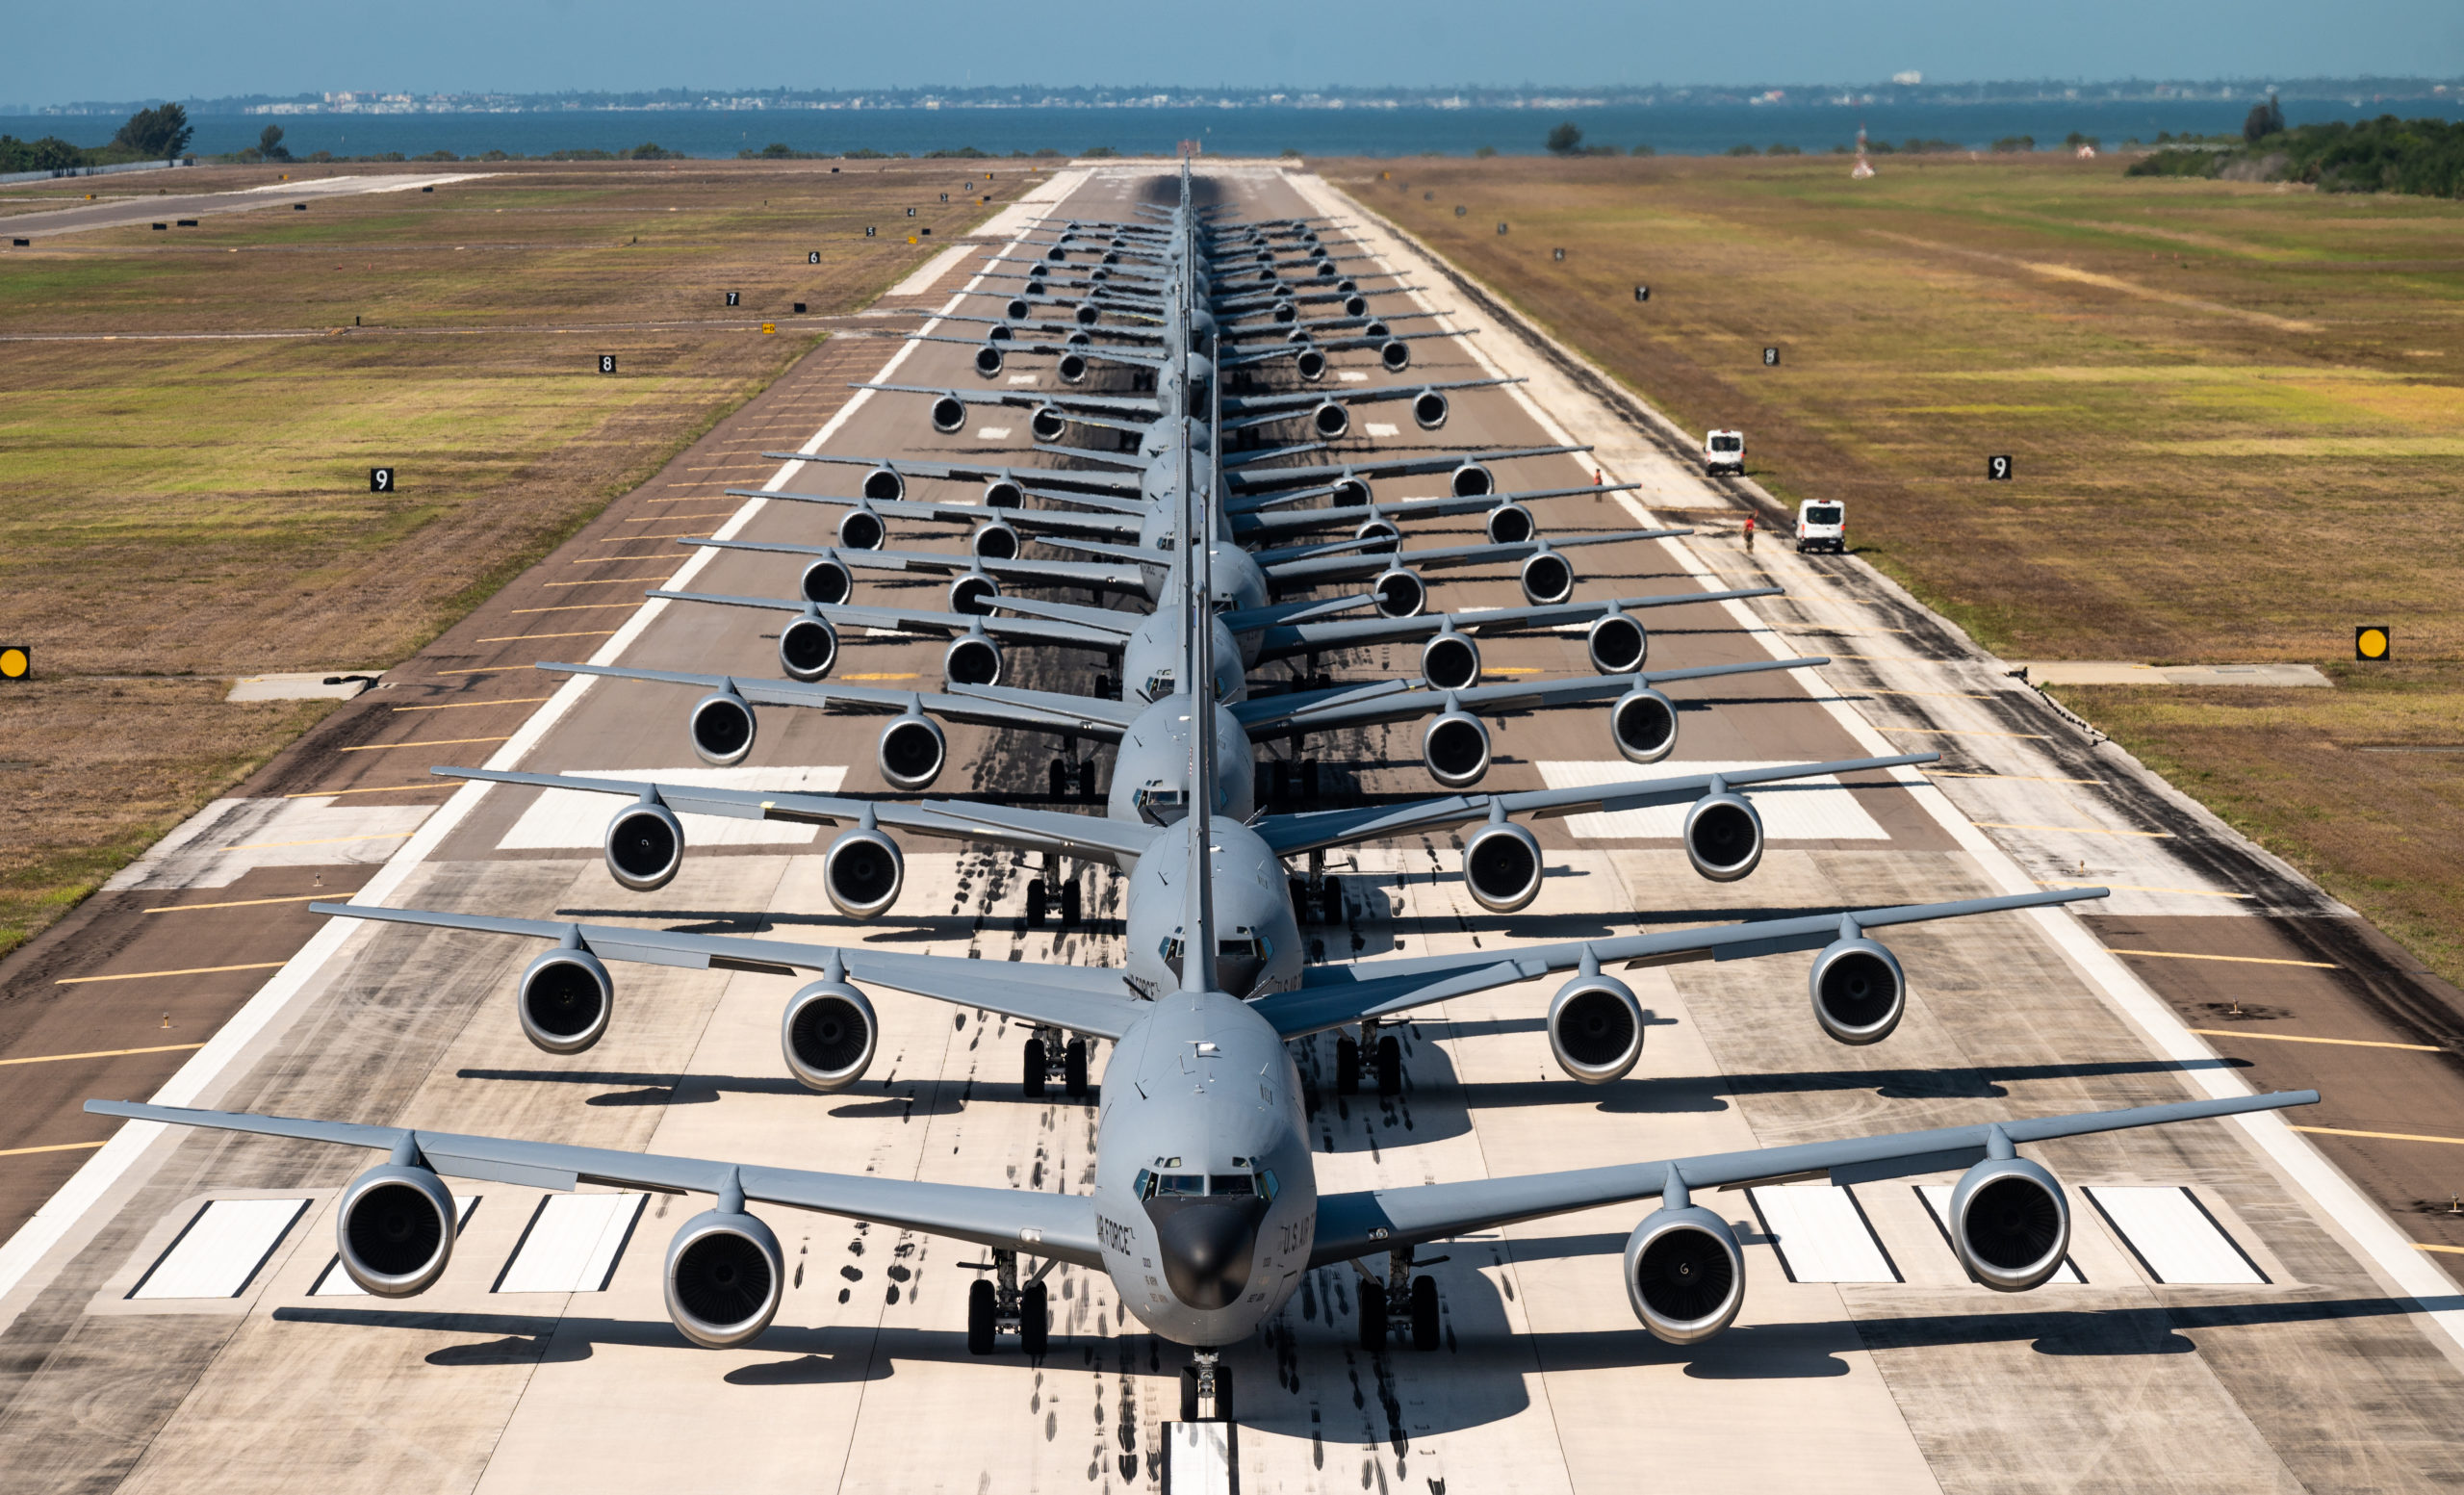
{"x":1822,"y":524}
{"x":1724,"y":452}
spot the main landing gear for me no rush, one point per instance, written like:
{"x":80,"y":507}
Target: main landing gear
{"x":1369,"y":1057}
{"x":1206,"y":1388}
{"x":1049,"y":1058}
{"x":1401,"y":1307}
{"x":1051,"y":893}
{"x":1001,"y":1307}
{"x":1318,"y":897}
{"x":1069,"y":772}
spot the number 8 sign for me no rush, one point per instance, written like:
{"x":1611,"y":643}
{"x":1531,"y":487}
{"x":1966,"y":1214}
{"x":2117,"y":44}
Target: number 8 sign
{"x":607,"y":363}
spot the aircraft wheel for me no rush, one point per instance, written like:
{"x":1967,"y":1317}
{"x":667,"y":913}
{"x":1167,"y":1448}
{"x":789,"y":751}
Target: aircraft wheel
{"x":1189,"y":1393}
{"x":1086,"y":779}
{"x":1033,"y":1079}
{"x":1038,"y":903}
{"x":1372,"y":1316}
{"x":1073,"y":1066}
{"x":1035,"y":1320}
{"x":1070,"y":906}
{"x":1389,"y":1067}
{"x":1347,"y":1067}
{"x":1424,"y":1313}
{"x":1330,"y":900}
{"x":1057,"y":779}
{"x":979,"y":1335}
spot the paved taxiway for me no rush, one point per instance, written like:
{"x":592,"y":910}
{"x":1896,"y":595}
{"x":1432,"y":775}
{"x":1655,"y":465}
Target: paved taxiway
{"x":2321,"y":1376}
{"x":111,"y":212}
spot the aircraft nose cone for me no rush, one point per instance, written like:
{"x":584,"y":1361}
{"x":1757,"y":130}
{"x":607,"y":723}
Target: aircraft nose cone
{"x":1207,"y":1250}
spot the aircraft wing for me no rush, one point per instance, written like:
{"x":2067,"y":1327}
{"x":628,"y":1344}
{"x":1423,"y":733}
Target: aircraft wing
{"x":1030,"y":520}
{"x":1087,"y":838}
{"x":1140,"y":409}
{"x":968,"y":472}
{"x":1053,"y":572}
{"x":1331,"y":996}
{"x":1083,"y":998}
{"x":1377,"y":1220}
{"x":1335,"y":561}
{"x":1398,"y":700}
{"x":1248,"y":477}
{"x":910,"y":620}
{"x":1248,"y":525}
{"x":1314,"y":636}
{"x":1317,"y":830}
{"x":1059,"y":1225}
{"x":1083,"y":715}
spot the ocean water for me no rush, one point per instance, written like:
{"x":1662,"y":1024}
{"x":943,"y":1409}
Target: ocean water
{"x":1672,"y":129}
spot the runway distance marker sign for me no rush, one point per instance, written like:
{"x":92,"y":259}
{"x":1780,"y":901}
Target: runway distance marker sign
{"x":380,"y":479}
{"x":1770,"y":358}
{"x":735,"y":299}
{"x":1997,"y":469}
{"x":607,"y":363}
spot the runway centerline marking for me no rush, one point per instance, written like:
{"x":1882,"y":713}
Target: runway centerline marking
{"x":105,"y":1053}
{"x":380,"y":747}
{"x":2238,"y":960}
{"x":57,"y":1147}
{"x":192,"y":971}
{"x":2296,"y":1038}
{"x":243,"y":903}
{"x":515,"y":639}
{"x":2338,"y":1131}
{"x":464,"y":706}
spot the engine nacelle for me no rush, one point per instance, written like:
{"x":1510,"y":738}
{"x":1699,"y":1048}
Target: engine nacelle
{"x":1501,"y":866}
{"x":912,"y":751}
{"x":988,"y":361}
{"x":1019,"y":308}
{"x":1510,"y":523}
{"x":1349,"y":493}
{"x":827,"y":581}
{"x":1723,"y":837}
{"x":994,"y":541}
{"x":1548,"y":578}
{"x":1047,"y":423}
{"x":1684,"y":1274}
{"x":1617,"y":643}
{"x":972,"y":592}
{"x":644,"y":846}
{"x":724,"y":1277}
{"x":1456,"y":749}
{"x":1088,"y":314}
{"x":807,"y":647}
{"x":1400,"y":592}
{"x":1859,"y":993}
{"x":1472,"y":480}
{"x":1310,"y":364}
{"x":1395,"y":354}
{"x":1004,"y":493}
{"x":949,"y":414}
{"x":862,"y":529}
{"x":565,"y":998}
{"x":1382,"y":530}
{"x":1450,"y":662}
{"x":1286,"y":312}
{"x":2010,"y":1223}
{"x":973,"y":659}
{"x":1330,"y":421}
{"x":884,"y":484}
{"x":1355,"y":304}
{"x":1596,"y":1028}
{"x":863,"y":872}
{"x":1643,"y":724}
{"x":1429,"y":409}
{"x":829,"y":1034}
{"x":722,"y":729}
{"x":394,"y":1229}
{"x":1072,"y":368}
{"x":1376,"y":329}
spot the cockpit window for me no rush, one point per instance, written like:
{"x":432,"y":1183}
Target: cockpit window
{"x":1185,"y":1186}
{"x":1231,"y":1183}
{"x":1161,"y":683}
{"x":1266,"y":1186}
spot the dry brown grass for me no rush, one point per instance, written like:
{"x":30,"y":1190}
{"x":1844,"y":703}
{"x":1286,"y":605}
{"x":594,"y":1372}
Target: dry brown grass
{"x":2234,"y":410}
{"x":196,"y":506}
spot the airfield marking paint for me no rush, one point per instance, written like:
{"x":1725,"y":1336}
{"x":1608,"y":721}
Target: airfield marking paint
{"x":384,"y":747}
{"x":240,"y":903}
{"x":105,"y":1053}
{"x":464,"y":706}
{"x":2348,"y":1042}
{"x":57,"y":1147}
{"x":515,"y":639}
{"x":603,"y":581}
{"x":2338,"y":1131}
{"x":569,"y":608}
{"x":326,"y":840}
{"x":2238,"y":960}
{"x":146,"y":975}
{"x":2194,"y":892}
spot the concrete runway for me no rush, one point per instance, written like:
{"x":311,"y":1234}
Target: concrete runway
{"x":2296,"y":1355}
{"x":132,"y":212}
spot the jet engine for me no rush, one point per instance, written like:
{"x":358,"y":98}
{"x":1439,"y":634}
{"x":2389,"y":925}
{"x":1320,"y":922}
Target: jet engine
{"x":1047,"y":423}
{"x":724,"y":1274}
{"x":949,"y":414}
{"x":862,"y":529}
{"x":827,"y":581}
{"x":1450,"y":662}
{"x":1510,"y":523}
{"x":1348,"y":493}
{"x":1456,"y":748}
{"x":1400,"y":592}
{"x":1501,"y":866}
{"x":1004,"y":493}
{"x":1859,"y":993}
{"x":1310,"y":365}
{"x":829,"y":1034}
{"x":973,"y":659}
{"x":1072,"y":368}
{"x":1355,"y":304}
{"x":1617,"y":643}
{"x":988,"y":360}
{"x":1643,"y":723}
{"x":807,"y":647}
{"x":994,"y":540}
{"x":971,"y":590}
{"x":912,"y":751}
{"x":883,"y":484}
{"x":1396,"y":354}
{"x":394,"y":1229}
{"x":1429,"y":409}
{"x":1472,"y":480}
{"x":565,"y":998}
{"x":1548,"y":578}
{"x":1595,"y":1028}
{"x":721,"y":728}
{"x":2010,"y":1223}
{"x":863,"y":872}
{"x":1381,"y":529}
{"x":645,"y":845}
{"x":1020,"y":309}
{"x":1723,"y":837}
{"x":1330,"y":421}
{"x":1684,"y":1274}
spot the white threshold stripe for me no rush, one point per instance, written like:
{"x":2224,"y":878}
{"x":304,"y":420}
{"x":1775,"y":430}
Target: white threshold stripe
{"x":63,"y":1219}
{"x":2367,"y":1229}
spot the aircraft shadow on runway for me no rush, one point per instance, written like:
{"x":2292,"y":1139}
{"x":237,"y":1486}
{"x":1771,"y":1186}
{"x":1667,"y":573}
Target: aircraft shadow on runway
{"x":1664,"y":1095}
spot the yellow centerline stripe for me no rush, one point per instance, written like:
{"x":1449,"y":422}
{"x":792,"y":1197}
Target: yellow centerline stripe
{"x":2238,"y":960}
{"x":464,"y":706}
{"x":652,"y":519}
{"x":515,"y":639}
{"x":571,"y":607}
{"x":2075,"y":830}
{"x":328,"y":841}
{"x":2338,"y":1131}
{"x":2451,"y":1250}
{"x":611,"y":581}
{"x":103,"y":1053}
{"x":57,"y":1147}
{"x":2296,"y":1038}
{"x":192,"y":971}
{"x":379,"y":747}
{"x":243,"y":903}
{"x":627,"y":539}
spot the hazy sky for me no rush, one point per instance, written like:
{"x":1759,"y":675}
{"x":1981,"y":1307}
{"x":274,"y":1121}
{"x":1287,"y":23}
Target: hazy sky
{"x":118,"y":49}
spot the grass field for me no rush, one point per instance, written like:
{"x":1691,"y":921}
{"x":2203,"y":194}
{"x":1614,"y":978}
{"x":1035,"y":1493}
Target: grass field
{"x":186,"y":430}
{"x":2234,"y":413}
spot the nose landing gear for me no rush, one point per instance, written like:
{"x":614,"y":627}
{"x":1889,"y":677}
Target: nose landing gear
{"x":1206,"y":1388}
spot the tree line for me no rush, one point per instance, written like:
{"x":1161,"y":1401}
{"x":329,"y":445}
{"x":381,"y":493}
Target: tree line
{"x":149,"y":135}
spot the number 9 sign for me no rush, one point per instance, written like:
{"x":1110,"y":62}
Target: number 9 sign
{"x":380,"y":479}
